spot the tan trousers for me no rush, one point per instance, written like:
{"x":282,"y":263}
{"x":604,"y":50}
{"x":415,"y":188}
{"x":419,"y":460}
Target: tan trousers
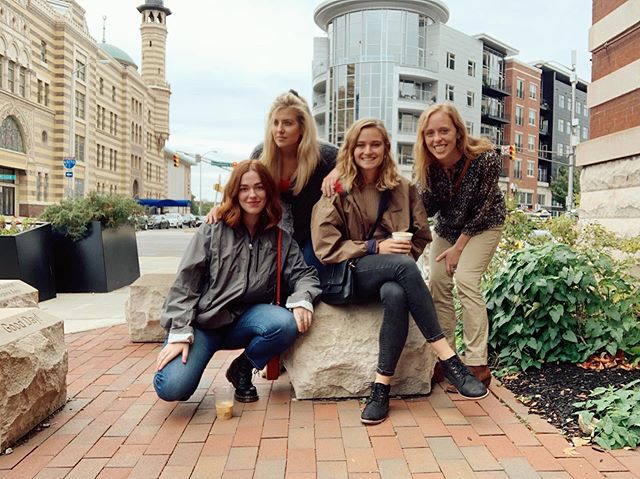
{"x":474,"y":261}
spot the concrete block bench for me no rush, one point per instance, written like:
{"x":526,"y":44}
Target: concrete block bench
{"x":17,"y":294}
{"x":33,"y":370}
{"x":337,"y":357}
{"x":144,"y":306}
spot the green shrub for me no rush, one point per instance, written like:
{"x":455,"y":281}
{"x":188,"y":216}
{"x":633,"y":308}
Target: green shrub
{"x":73,"y":217}
{"x":550,"y":303}
{"x":15,"y":226}
{"x":614,"y":415}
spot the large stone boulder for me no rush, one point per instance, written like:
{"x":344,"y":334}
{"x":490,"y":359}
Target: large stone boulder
{"x":143,"y":308}
{"x":17,"y":294}
{"x":33,"y":370}
{"x":339,"y":355}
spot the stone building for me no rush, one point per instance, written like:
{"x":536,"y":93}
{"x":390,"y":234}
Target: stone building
{"x":610,"y":160}
{"x":52,"y":71}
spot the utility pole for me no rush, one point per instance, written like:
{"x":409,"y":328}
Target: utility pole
{"x":574,"y":138}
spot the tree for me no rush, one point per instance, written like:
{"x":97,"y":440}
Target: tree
{"x":560,"y":184}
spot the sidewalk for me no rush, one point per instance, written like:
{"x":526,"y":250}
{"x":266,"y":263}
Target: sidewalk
{"x":114,"y":426}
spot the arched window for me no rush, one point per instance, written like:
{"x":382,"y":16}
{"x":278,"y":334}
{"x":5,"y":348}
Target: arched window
{"x":10,"y":135}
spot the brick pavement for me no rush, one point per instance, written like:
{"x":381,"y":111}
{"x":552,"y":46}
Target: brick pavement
{"x":115,"y":427}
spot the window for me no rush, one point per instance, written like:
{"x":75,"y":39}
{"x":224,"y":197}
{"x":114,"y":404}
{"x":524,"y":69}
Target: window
{"x":578,"y":107}
{"x":115,"y":124}
{"x":113,"y":93}
{"x":517,"y":169}
{"x":45,"y":137}
{"x":46,"y":94}
{"x":569,"y":104}
{"x":101,"y":85}
{"x":43,"y":51}
{"x":80,"y":70}
{"x":451,"y":61}
{"x":98,"y":155}
{"x":533,"y":91}
{"x":520,"y":88}
{"x":11,"y":79}
{"x":530,"y":165}
{"x":11,"y":136}
{"x":22,"y":82}
{"x":110,"y":159}
{"x":79,"y":148}
{"x":469,"y":125}
{"x":532,"y":117}
{"x":560,"y":125}
{"x":531,"y":143}
{"x":115,"y":160}
{"x":449,"y":93}
{"x":519,"y":114}
{"x":585,"y":110}
{"x":471,"y":96}
{"x":560,"y":149}
{"x":518,"y":141}
{"x":39,"y":187}
{"x":585,"y":133}
{"x":80,"y":107}
{"x":40,"y":88}
{"x":542,"y":199}
{"x":111,"y":122}
{"x":561,"y":101}
{"x":471,"y":68}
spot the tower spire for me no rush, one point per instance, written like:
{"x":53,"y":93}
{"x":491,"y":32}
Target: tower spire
{"x":104,"y":29}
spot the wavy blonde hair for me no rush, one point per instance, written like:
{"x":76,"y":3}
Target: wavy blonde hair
{"x":308,"y":148}
{"x":469,"y":146}
{"x":388,"y":177}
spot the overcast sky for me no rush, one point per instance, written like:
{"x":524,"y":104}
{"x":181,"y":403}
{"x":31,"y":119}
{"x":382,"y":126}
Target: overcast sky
{"x":227,"y":60}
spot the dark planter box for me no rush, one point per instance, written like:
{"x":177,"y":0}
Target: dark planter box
{"x":28,"y":256}
{"x":105,"y":260}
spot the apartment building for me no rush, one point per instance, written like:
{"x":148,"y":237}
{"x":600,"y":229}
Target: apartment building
{"x":64,"y":95}
{"x":610,"y":158}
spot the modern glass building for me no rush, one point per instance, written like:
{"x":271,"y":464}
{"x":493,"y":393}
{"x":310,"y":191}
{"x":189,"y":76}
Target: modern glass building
{"x":389,"y":60}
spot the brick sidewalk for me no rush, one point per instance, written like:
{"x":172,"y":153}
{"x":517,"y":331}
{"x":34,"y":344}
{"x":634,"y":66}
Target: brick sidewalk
{"x":114,"y":426}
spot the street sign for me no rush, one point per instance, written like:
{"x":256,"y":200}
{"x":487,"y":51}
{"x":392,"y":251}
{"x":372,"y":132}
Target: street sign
{"x":504,"y":149}
{"x":8,"y":177}
{"x":69,"y":162}
{"x":68,"y":174}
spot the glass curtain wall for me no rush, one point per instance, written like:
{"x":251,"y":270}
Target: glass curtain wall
{"x":364,"y":48}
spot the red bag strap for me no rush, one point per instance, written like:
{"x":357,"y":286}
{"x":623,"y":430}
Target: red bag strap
{"x":278,"y":258}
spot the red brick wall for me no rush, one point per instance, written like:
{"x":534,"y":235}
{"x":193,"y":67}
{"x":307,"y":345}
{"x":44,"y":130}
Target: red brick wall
{"x":618,"y":114}
{"x":603,"y":7}
{"x":618,"y":54}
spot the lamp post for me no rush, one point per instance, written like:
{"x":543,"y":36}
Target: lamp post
{"x":72,"y":125}
{"x":574,"y":138}
{"x":199,"y":159}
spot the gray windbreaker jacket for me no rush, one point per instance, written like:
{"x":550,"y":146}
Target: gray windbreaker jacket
{"x":224,"y":271}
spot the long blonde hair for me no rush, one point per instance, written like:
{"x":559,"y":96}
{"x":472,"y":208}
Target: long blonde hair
{"x":308,"y":148}
{"x":388,"y":177}
{"x":469,"y":146}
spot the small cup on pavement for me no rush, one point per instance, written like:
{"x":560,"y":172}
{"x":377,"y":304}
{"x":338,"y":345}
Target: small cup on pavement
{"x":223,"y":395}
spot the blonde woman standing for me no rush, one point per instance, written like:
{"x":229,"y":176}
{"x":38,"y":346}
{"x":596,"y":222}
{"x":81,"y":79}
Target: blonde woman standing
{"x":457,"y":177}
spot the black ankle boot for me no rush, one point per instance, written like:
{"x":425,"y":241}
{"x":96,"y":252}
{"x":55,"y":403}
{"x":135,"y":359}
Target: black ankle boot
{"x":239,"y":374}
{"x":377,"y":407}
{"x":462,"y":379}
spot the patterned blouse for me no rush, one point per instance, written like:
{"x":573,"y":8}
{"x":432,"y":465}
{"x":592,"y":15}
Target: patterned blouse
{"x":476,"y":207}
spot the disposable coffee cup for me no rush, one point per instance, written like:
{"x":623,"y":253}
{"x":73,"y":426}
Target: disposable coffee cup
{"x":223,"y":395}
{"x":402,"y":235}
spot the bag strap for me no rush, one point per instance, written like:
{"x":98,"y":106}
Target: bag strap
{"x":385,"y":197}
{"x":278,"y":256}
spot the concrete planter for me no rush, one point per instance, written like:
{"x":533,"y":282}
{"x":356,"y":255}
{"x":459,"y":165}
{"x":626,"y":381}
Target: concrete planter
{"x":28,"y":256}
{"x":105,"y":260}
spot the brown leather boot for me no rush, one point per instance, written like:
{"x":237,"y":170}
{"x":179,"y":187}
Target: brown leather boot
{"x":483,"y":373}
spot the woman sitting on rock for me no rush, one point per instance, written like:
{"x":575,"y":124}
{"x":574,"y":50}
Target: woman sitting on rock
{"x":385,"y":268}
{"x":226,"y":285}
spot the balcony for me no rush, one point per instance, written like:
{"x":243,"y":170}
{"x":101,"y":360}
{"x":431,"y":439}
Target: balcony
{"x":543,"y":175}
{"x":493,"y":115}
{"x":493,"y":86}
{"x":319,"y":100}
{"x":405,"y":160}
{"x":544,"y":105}
{"x":544,"y":128}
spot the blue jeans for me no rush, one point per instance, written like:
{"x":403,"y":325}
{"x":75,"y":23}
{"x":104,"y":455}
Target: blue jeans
{"x":263,"y":330}
{"x":310,"y":257}
{"x":395,"y":280}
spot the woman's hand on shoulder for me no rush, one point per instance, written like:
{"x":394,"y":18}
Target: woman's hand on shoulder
{"x":170,"y":351}
{"x":212,"y":216}
{"x":303,"y":318}
{"x":329,"y":183}
{"x":393,"y":246}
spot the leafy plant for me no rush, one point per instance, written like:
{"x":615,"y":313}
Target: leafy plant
{"x":614,"y":415}
{"x":15,"y":226}
{"x":73,"y":217}
{"x":551,"y":303}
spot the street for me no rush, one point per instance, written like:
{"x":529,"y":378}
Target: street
{"x":171,"y":242}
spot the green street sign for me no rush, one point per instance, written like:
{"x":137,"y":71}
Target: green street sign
{"x":8,"y":177}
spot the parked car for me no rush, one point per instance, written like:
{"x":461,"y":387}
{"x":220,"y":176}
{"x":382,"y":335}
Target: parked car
{"x":199,"y":220}
{"x":175,"y":220}
{"x":189,"y":220}
{"x":158,"y":222}
{"x":141,"y":222}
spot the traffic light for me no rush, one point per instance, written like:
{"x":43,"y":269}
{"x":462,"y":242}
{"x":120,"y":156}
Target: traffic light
{"x":512,"y":152}
{"x":176,"y":160}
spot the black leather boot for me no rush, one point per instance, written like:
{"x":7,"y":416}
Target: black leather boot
{"x":377,"y":407}
{"x":239,"y":374}
{"x":462,"y":379}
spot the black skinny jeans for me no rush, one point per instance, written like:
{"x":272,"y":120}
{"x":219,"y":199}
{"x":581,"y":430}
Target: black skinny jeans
{"x":395,"y":280}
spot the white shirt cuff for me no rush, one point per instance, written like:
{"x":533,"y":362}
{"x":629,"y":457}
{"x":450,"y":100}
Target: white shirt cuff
{"x":300,"y":304}
{"x":180,"y":338}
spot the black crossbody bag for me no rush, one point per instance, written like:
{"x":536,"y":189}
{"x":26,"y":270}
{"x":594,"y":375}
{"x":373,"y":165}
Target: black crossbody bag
{"x":337,"y":279}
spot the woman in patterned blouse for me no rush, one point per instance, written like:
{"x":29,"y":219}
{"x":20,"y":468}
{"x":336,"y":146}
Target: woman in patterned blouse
{"x":457,"y":176}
